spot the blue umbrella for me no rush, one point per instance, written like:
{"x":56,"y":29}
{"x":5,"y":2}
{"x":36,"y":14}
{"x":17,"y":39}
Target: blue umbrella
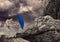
{"x":21,"y":21}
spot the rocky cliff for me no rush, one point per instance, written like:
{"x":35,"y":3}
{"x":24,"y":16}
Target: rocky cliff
{"x":41,"y":18}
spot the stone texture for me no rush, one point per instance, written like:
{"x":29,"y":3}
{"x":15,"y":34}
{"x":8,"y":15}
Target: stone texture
{"x":42,"y":29}
{"x":46,"y":30}
{"x":15,"y":40}
{"x":53,"y":9}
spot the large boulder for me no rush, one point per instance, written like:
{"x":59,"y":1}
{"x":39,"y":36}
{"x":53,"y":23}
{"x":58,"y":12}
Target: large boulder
{"x":45,"y":29}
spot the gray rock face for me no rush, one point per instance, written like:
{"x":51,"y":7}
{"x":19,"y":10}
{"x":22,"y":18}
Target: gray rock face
{"x":46,"y":30}
{"x":42,"y":29}
{"x":53,"y":9}
{"x":10,"y":10}
{"x":16,"y":40}
{"x":27,"y":11}
{"x":13,"y":6}
{"x":45,"y":23}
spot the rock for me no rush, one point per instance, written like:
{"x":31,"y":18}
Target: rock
{"x":53,"y":9}
{"x":4,"y":5}
{"x":38,"y":6}
{"x":43,"y":31}
{"x":24,"y":9}
{"x":10,"y":28}
{"x":16,"y":40}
